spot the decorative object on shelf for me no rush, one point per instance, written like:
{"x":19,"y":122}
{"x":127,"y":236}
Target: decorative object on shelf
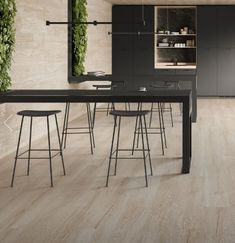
{"x":179,"y":44}
{"x":79,"y":36}
{"x":7,"y":41}
{"x":165,"y":40}
{"x":175,"y":33}
{"x":96,"y":73}
{"x":171,"y":44}
{"x":190,"y":43}
{"x":184,"y":31}
{"x":191,"y":32}
{"x":163,"y":44}
{"x":175,"y":61}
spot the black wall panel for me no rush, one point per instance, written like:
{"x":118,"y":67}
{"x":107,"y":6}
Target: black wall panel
{"x":133,"y":54}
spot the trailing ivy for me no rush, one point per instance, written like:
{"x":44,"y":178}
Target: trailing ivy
{"x":79,"y":36}
{"x":7,"y":40}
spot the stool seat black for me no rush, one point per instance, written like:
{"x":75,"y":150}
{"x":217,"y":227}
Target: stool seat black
{"x":33,"y":114}
{"x":102,"y":86}
{"x":118,"y":115}
{"x":37,"y":113}
{"x":125,"y":113}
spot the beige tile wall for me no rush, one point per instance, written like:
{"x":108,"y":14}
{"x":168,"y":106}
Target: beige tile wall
{"x":40,"y":59}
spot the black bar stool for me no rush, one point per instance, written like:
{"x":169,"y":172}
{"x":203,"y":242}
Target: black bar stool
{"x":118,"y":114}
{"x":33,"y":114}
{"x":165,"y":108}
{"x":78,"y":130}
{"x":109,"y":107}
{"x":101,"y":109}
{"x":151,"y":130}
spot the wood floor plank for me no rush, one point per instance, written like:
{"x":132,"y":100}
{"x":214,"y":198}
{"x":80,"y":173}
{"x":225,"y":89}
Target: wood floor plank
{"x":194,"y":208}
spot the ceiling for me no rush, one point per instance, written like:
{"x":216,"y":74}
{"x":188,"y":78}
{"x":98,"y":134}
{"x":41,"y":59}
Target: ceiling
{"x":173,"y":2}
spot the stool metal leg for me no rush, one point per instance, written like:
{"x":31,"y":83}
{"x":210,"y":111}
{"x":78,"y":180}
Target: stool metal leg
{"x":138,"y":134}
{"x":143,"y":148}
{"x":64,"y":125}
{"x":49,"y":150}
{"x":163,"y":124}
{"x":148,"y":147}
{"x":172,"y":122}
{"x":117,"y":145}
{"x":30,"y":139}
{"x":151,"y":115}
{"x":135,"y":134}
{"x":112,"y":107}
{"x":17,"y":151}
{"x":61,"y":153}
{"x":160,"y":125}
{"x":89,"y":127}
{"x":108,"y":108}
{"x":94,"y":113}
{"x":135,"y":130}
{"x":111,"y":150}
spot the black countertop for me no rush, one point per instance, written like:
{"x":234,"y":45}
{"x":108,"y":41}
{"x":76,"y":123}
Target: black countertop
{"x":76,"y":95}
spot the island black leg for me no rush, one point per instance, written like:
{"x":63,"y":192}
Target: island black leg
{"x":186,"y":137}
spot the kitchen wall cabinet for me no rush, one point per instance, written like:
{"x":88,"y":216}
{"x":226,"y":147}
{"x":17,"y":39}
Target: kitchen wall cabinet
{"x":226,"y":71}
{"x":133,"y":53}
{"x":226,"y":26}
{"x":122,"y":44}
{"x":216,"y":52}
{"x":206,"y":26}
{"x":207,"y":81}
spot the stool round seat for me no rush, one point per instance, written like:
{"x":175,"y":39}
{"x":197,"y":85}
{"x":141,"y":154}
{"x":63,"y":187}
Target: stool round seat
{"x":37,"y":113}
{"x":102,"y":86}
{"x":129,"y":113}
{"x":33,"y":114}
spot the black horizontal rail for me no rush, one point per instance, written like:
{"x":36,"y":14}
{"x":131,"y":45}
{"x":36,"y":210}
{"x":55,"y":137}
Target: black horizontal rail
{"x":95,"y":23}
{"x":131,"y":33}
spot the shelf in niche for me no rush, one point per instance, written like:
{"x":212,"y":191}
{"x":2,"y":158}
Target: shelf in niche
{"x":176,"y":35}
{"x":170,"y":47}
{"x":175,"y":18}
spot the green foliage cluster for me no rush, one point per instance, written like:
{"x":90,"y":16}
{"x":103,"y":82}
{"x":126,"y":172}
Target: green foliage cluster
{"x":7,"y":40}
{"x":79,"y":36}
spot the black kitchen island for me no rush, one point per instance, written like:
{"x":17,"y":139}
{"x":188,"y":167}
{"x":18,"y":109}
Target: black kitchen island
{"x":117,"y":96}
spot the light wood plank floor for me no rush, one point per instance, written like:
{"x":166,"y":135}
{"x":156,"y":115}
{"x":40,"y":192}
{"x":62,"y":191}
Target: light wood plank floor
{"x":196,"y":208}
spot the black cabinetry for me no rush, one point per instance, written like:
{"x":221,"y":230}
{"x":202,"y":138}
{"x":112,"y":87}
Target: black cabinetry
{"x":226,"y":71}
{"x":226,"y":26}
{"x":132,"y":42}
{"x":216,"y":52}
{"x":226,"y":50}
{"x":207,"y":26}
{"x":122,"y":44}
{"x":207,"y":81}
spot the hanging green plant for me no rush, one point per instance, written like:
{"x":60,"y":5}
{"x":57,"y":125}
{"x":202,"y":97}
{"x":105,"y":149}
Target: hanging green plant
{"x":7,"y":40}
{"x":79,"y":36}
